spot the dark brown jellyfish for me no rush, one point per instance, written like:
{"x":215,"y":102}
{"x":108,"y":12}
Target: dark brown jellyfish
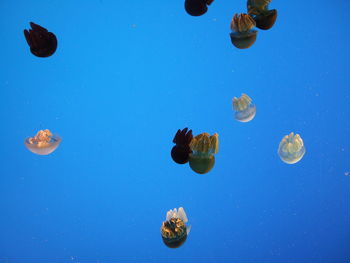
{"x":42,"y":43}
{"x":180,"y":152}
{"x":174,"y":230}
{"x":264,"y":18}
{"x":197,"y":7}
{"x":242,"y":35}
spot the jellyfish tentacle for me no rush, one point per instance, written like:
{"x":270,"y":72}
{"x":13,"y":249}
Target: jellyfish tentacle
{"x":38,"y":28}
{"x":27,"y":36}
{"x":176,"y":137}
{"x":189,"y":137}
{"x":184,"y":131}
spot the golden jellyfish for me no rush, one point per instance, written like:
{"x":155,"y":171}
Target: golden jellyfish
{"x":244,"y":109}
{"x":174,"y":230}
{"x":43,"y":143}
{"x":203,"y":148}
{"x":263,"y":17}
{"x":242,"y":35}
{"x":291,"y":148}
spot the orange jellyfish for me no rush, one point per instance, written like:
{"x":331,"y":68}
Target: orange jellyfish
{"x":264,"y":18}
{"x":291,"y":148}
{"x":43,"y":143}
{"x":244,"y":109}
{"x":203,"y":148}
{"x":174,"y":230}
{"x":242,"y":35}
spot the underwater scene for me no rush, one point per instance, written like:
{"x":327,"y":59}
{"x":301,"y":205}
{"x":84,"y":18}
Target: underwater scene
{"x":209,"y":131}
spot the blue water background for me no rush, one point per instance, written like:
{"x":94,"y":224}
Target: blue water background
{"x":125,"y":77}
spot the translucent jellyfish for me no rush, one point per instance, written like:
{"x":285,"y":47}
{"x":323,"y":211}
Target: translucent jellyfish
{"x":174,"y":230}
{"x":43,"y":143}
{"x":244,"y":109}
{"x":242,"y":35}
{"x":42,"y":43}
{"x":180,"y":152}
{"x":203,"y":148}
{"x":264,"y":18}
{"x":291,"y":148}
{"x":197,"y":7}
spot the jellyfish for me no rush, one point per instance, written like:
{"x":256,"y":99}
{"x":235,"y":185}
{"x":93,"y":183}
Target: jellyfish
{"x":243,"y":36}
{"x":41,"y":42}
{"x":244,"y":109}
{"x":203,"y":148}
{"x":291,"y":148}
{"x":174,"y":230}
{"x":180,"y":152}
{"x":43,"y":143}
{"x":264,"y":18}
{"x":197,"y":7}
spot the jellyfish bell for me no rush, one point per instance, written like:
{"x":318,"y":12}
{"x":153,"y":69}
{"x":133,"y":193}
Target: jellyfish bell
{"x":177,"y":240}
{"x":291,"y":148}
{"x":267,"y":20}
{"x":202,"y":164}
{"x":263,"y":17}
{"x":197,"y":7}
{"x":243,"y":36}
{"x":174,"y":230}
{"x":43,"y":143}
{"x":203,"y":148}
{"x":42,"y":43}
{"x":243,"y":41}
{"x":244,"y":109}
{"x":180,"y":152}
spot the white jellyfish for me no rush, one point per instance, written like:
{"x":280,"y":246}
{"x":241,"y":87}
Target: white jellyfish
{"x":244,"y":109}
{"x":291,"y":148}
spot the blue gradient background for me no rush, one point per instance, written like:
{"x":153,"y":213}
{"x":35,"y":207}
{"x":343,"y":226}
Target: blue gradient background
{"x":125,"y":77}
